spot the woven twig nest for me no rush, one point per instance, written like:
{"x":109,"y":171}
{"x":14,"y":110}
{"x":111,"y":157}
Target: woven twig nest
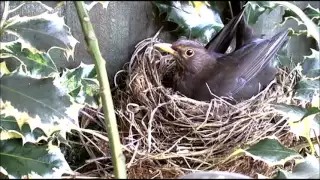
{"x":160,"y":124}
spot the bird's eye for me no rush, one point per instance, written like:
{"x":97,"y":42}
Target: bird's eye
{"x":189,"y":52}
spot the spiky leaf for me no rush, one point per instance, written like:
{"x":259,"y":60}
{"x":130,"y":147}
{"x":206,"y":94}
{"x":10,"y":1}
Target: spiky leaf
{"x":294,"y":113}
{"x":270,"y":151}
{"x":303,"y":122}
{"x":82,"y":84}
{"x":10,"y":129}
{"x":43,"y":32}
{"x":255,"y":9}
{"x":306,"y":89}
{"x":309,"y":169}
{"x":37,"y":63}
{"x":300,"y":120}
{"x":39,"y":102}
{"x":311,"y":12}
{"x":31,"y":160}
{"x":311,"y":65}
{"x":295,"y":13}
{"x":189,"y":23}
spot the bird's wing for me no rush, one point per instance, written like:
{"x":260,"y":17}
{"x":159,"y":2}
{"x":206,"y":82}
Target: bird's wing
{"x":252,"y":58}
{"x":222,"y":40}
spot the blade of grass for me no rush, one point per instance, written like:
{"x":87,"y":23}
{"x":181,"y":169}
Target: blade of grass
{"x":118,"y":159}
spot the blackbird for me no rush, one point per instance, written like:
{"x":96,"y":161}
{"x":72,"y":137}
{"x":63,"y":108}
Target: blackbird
{"x":241,"y":74}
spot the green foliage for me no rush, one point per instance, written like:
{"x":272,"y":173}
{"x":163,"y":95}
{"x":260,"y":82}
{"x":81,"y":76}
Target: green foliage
{"x":82,"y":84}
{"x":198,"y":25}
{"x":306,"y":89}
{"x":311,"y":65}
{"x":254,"y":9}
{"x":308,"y":169}
{"x":298,"y":117}
{"x":304,"y":121}
{"x":308,"y":86}
{"x":312,"y":13}
{"x":43,"y":32}
{"x":47,"y":106}
{"x":10,"y":129}
{"x":270,"y":151}
{"x":35,"y":62}
{"x":30,"y":160}
{"x":40,"y":98}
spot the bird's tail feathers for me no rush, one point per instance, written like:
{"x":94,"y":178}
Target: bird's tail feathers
{"x":222,"y":40}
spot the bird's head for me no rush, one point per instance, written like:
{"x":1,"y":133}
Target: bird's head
{"x":190,"y":55}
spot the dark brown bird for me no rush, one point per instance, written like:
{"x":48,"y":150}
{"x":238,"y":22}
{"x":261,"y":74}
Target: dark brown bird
{"x":240,"y":74}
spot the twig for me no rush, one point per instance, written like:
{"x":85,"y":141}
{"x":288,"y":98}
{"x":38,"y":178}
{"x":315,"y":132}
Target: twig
{"x":118,"y":159}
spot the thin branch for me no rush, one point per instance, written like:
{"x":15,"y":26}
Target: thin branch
{"x":118,"y":159}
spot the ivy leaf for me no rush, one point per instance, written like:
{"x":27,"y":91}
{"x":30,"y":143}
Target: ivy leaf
{"x":31,"y":161}
{"x":201,"y":27}
{"x":309,"y":169}
{"x":270,"y":151}
{"x":44,"y":31}
{"x":311,"y":65}
{"x":38,"y":64}
{"x":41,"y":103}
{"x":82,"y":84}
{"x":10,"y":129}
{"x":254,"y":9}
{"x":306,"y":89}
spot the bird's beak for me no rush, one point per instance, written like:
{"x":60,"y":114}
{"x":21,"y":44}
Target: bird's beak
{"x":166,"y":47}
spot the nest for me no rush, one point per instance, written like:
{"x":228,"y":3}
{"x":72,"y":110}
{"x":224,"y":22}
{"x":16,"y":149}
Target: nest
{"x":163,"y":126}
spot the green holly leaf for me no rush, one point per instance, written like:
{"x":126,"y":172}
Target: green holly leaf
{"x":43,"y":32}
{"x":311,"y":65}
{"x":309,"y":11}
{"x":306,"y":89}
{"x":36,"y":63}
{"x":309,"y":169}
{"x":82,"y":84}
{"x":31,"y":161}
{"x":192,"y":22}
{"x":254,"y":9}
{"x":9,"y":129}
{"x":41,"y":103}
{"x":270,"y":151}
{"x":302,"y":18}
